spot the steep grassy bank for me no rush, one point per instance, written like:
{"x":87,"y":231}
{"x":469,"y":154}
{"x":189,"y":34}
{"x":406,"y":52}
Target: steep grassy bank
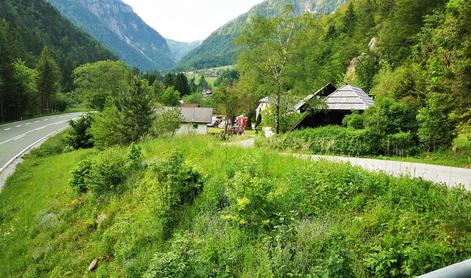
{"x":253,"y":214}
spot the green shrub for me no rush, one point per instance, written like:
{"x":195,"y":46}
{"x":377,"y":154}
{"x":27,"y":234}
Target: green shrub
{"x":135,"y":158}
{"x":324,"y":140}
{"x":176,"y":183}
{"x":354,"y":121}
{"x":436,"y":129}
{"x":80,"y":175}
{"x":79,"y":136}
{"x":462,"y":144}
{"x":180,"y":262}
{"x":388,"y":116}
{"x":400,"y":144}
{"x":108,"y":173}
{"x":251,"y":200}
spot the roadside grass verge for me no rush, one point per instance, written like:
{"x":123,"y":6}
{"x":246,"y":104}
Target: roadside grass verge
{"x":258,"y":214}
{"x":38,"y":183}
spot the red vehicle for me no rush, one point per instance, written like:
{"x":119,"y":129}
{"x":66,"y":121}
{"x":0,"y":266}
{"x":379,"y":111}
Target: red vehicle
{"x":238,"y":130}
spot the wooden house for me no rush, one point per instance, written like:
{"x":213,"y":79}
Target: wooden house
{"x":340,"y":103}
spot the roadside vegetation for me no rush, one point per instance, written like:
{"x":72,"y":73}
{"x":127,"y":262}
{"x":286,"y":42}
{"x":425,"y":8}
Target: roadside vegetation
{"x":189,"y":207}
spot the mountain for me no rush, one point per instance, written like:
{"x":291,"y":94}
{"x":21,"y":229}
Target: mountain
{"x":219,"y":48}
{"x":30,"y":25}
{"x":180,"y":49}
{"x":115,"y":24}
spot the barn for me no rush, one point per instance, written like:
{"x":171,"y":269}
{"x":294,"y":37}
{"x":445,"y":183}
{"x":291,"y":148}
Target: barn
{"x":340,"y":103}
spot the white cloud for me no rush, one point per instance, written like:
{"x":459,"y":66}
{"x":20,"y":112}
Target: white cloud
{"x":189,"y":20}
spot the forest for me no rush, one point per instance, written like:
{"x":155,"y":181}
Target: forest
{"x":27,"y":28}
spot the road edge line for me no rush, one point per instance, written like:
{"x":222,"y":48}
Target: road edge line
{"x":20,"y":154}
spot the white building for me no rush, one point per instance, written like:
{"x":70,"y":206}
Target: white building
{"x":195,"y":120}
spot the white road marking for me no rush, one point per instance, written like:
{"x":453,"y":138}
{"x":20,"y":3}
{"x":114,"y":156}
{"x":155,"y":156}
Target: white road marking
{"x":19,"y":137}
{"x":27,"y":123}
{"x":6,"y":129}
{"x":18,"y":126}
{"x":36,"y":122}
{"x":33,"y":130}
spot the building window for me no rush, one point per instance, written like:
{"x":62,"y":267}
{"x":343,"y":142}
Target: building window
{"x":195,"y":126}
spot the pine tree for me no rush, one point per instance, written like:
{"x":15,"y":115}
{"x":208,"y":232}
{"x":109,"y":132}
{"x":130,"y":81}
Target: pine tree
{"x":350,"y":19}
{"x":48,"y":79}
{"x":136,"y":110}
{"x":203,"y":84}
{"x":181,"y":84}
{"x":169,"y":80}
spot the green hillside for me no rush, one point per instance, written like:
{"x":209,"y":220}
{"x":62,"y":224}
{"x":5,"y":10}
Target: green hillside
{"x":225,"y":212}
{"x":219,"y":49}
{"x":29,"y":25}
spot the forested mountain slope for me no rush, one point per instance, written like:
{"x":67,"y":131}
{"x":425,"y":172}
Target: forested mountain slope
{"x":27,"y":26}
{"x":115,"y":24}
{"x":219,"y":48}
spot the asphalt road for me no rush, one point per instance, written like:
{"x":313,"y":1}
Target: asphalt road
{"x":18,"y":136}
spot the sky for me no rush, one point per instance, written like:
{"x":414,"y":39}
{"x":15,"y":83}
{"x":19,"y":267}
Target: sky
{"x":189,"y":20}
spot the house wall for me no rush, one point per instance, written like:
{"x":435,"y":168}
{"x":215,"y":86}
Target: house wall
{"x":200,"y":129}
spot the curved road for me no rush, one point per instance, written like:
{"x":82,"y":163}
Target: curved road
{"x":18,"y":136}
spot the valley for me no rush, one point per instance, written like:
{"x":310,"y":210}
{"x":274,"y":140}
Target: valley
{"x":303,"y":138}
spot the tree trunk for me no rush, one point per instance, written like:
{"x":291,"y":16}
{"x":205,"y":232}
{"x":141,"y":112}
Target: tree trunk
{"x":277,"y":113}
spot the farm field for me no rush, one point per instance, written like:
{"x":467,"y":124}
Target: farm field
{"x":240,"y":213}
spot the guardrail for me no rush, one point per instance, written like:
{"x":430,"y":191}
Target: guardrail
{"x":459,"y":270}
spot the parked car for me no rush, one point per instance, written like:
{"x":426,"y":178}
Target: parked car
{"x":215,"y":123}
{"x":238,"y":130}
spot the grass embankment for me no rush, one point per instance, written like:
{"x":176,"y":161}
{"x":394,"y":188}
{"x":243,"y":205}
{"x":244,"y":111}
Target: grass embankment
{"x":258,"y":214}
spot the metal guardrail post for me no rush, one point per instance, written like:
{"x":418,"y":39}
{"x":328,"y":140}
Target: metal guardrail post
{"x":459,"y":270}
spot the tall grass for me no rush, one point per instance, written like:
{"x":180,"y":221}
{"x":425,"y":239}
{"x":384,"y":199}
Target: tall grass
{"x":325,"y":219}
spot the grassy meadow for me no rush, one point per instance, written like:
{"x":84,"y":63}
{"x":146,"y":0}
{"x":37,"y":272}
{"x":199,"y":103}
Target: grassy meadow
{"x":255,"y":214}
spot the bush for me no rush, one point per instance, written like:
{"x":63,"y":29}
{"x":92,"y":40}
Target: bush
{"x":388,"y":116}
{"x":436,"y":128}
{"x":108,"y":173}
{"x":180,"y":262}
{"x":325,"y":140}
{"x":250,"y":197}
{"x":79,"y":137}
{"x":354,"y":121}
{"x":176,"y":183}
{"x":400,"y":144}
{"x":80,"y":175}
{"x":462,"y":144}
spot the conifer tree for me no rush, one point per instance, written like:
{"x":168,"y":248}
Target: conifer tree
{"x":137,"y":114}
{"x":48,"y":79}
{"x":169,"y":80}
{"x":181,"y":84}
{"x":349,"y":19}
